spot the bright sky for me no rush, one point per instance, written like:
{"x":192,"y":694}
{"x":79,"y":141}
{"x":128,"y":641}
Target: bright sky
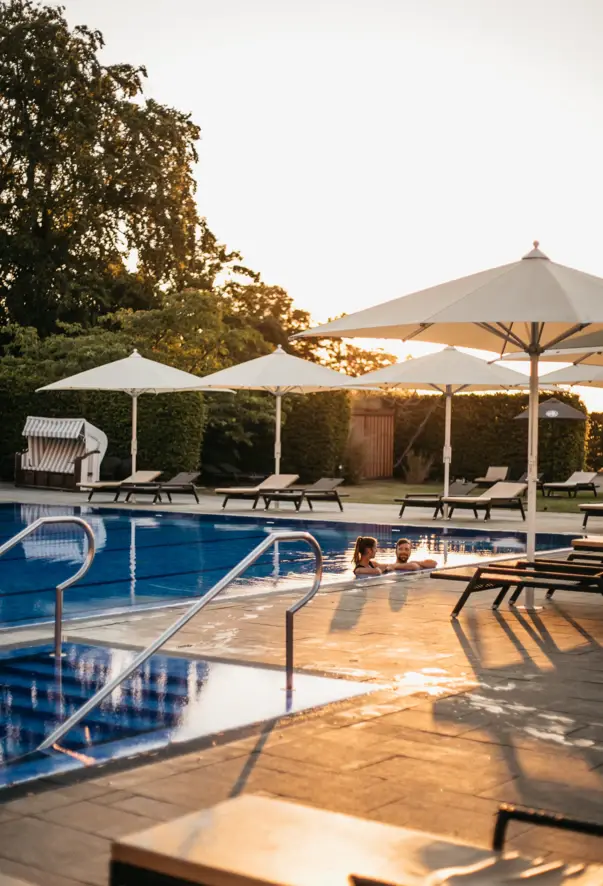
{"x":356,"y":150}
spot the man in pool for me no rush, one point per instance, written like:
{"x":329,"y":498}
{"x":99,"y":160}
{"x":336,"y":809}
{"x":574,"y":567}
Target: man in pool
{"x":403,"y":563}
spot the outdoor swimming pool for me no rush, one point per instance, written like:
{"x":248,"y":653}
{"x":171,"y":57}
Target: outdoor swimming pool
{"x":149,"y":559}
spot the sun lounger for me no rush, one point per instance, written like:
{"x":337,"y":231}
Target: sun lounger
{"x":594,"y":510}
{"x":506,"y":496}
{"x":580,"y":481}
{"x":183,"y":483}
{"x":540,"y":575}
{"x":114,"y":486}
{"x":237,"y":474}
{"x":273,"y":483}
{"x":493,"y":475}
{"x":324,"y":489}
{"x":433,"y":499}
{"x":524,"y":479}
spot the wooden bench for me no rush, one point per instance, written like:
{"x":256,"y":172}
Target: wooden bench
{"x":256,"y":841}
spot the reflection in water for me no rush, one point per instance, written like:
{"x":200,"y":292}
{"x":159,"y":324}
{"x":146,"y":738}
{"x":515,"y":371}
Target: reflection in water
{"x":60,"y":542}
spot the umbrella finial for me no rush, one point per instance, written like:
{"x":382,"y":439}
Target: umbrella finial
{"x":135,"y":353}
{"x":535,"y":252}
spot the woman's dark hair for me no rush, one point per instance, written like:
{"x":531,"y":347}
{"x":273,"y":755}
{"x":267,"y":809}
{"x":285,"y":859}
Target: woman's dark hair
{"x":363,"y":543}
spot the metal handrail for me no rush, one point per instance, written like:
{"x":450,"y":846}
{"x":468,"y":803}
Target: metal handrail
{"x":190,"y":613}
{"x":58,"y":610}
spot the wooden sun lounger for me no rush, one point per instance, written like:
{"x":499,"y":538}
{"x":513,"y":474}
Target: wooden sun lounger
{"x":183,"y":483}
{"x":324,"y":489}
{"x":113,"y":486}
{"x":505,"y":496}
{"x":494,"y":474}
{"x":433,"y":499}
{"x":580,"y":481}
{"x":539,"y":481}
{"x":502,"y":576}
{"x":275,"y":482}
{"x":590,"y":510}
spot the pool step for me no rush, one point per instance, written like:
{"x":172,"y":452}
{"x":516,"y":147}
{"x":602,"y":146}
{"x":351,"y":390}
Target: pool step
{"x":34,"y":699}
{"x":178,"y":687}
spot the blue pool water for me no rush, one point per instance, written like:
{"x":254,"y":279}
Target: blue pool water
{"x":148,"y":559}
{"x":169,"y":700}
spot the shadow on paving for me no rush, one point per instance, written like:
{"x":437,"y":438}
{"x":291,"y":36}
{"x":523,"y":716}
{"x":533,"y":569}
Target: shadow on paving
{"x":549,"y":713}
{"x":351,"y":605}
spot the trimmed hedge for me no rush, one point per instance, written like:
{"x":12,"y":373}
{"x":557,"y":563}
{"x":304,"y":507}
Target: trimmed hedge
{"x":315,"y":435}
{"x":485,"y":433}
{"x":170,"y":426}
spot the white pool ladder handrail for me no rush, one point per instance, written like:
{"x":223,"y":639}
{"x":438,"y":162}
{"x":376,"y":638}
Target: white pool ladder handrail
{"x":58,"y":610}
{"x":190,"y":613}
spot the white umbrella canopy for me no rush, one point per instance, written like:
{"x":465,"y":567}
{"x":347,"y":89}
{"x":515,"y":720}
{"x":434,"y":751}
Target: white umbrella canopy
{"x":576,"y":374}
{"x":530,"y":305}
{"x":278,"y":373}
{"x":448,"y":371}
{"x":135,"y":375}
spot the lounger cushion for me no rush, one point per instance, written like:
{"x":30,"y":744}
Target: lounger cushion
{"x":275,"y":481}
{"x":500,"y":491}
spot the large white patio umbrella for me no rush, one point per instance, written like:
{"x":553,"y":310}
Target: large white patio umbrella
{"x":278,"y":373}
{"x":135,"y":375}
{"x":448,"y":371}
{"x":529,"y":305}
{"x":577,"y":374}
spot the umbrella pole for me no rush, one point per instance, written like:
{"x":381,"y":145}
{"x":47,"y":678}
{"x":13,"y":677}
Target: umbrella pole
{"x":447,"y":456}
{"x":277,"y":436}
{"x":134,"y":444}
{"x":532,"y":470}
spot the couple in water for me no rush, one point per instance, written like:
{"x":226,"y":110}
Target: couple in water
{"x":366,"y":551}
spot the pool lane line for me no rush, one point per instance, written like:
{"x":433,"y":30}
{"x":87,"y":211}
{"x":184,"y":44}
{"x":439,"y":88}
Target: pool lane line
{"x":165,"y":544}
{"x":141,"y":578}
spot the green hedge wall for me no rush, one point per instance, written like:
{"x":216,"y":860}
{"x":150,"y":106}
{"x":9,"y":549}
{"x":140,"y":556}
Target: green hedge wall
{"x":485,"y":433}
{"x":170,"y":426}
{"x":315,"y":434}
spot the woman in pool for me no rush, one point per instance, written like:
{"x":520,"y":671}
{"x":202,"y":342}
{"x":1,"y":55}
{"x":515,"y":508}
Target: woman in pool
{"x":363,"y":559}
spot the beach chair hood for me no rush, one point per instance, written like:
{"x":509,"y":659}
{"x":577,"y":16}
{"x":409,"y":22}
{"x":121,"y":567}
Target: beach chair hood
{"x":57,"y":444}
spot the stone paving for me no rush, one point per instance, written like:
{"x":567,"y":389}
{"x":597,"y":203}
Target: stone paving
{"x":495,"y":707}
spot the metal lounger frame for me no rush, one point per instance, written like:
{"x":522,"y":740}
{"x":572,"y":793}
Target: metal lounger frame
{"x":299,"y":496}
{"x":422,"y":500}
{"x":571,"y":489}
{"x":596,"y":511}
{"x":156,"y":490}
{"x":548,"y":575}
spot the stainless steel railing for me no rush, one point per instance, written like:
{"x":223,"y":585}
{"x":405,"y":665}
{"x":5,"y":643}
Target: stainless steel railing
{"x":58,"y":609}
{"x":190,"y":613}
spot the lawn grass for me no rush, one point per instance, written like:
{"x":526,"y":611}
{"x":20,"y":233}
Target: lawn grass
{"x":385,"y":491}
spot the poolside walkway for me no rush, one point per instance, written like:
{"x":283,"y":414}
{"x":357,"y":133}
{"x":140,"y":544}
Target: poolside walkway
{"x":497,"y":707}
{"x":354,"y":512}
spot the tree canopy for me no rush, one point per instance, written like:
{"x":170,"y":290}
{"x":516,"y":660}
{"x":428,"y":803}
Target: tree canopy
{"x":102,"y":244}
{"x":95,"y":179}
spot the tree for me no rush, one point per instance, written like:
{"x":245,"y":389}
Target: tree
{"x":351,"y":359}
{"x":92,"y":176}
{"x":268,"y":309}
